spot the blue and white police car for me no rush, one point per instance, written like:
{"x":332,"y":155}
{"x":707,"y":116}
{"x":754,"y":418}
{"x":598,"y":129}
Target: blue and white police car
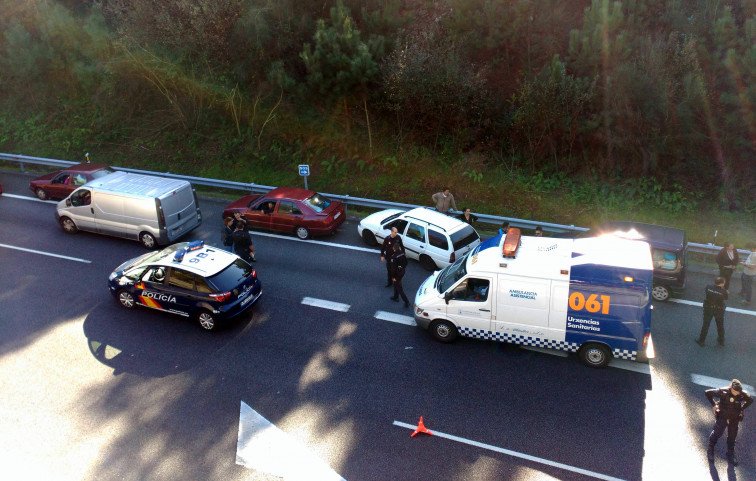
{"x":188,"y":279}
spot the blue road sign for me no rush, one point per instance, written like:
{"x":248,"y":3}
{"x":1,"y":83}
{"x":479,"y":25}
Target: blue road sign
{"x":304,"y":169}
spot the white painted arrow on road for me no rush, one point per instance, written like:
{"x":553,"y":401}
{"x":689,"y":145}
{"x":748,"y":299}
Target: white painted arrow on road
{"x":264,"y":447}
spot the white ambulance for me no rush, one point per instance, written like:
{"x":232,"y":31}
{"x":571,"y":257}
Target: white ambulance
{"x":591,"y":296}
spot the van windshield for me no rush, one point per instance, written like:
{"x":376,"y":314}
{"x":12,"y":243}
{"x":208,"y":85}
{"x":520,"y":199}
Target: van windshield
{"x":464,"y":237}
{"x":451,"y":274}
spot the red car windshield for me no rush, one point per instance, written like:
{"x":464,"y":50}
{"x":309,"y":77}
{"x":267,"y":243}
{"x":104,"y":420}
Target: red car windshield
{"x":101,"y":173}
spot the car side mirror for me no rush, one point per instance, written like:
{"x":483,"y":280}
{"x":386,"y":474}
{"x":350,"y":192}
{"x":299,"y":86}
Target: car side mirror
{"x":447,"y":297}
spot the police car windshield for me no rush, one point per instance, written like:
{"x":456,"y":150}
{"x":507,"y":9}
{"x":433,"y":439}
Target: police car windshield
{"x":318,"y":202}
{"x":230,"y":277}
{"x":451,"y":274}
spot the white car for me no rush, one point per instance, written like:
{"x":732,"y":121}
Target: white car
{"x":433,"y":238}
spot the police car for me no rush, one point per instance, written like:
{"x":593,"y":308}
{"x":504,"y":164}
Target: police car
{"x":188,"y":279}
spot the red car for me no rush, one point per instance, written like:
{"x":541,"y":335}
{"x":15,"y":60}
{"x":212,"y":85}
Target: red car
{"x":288,"y":209}
{"x":58,"y":185}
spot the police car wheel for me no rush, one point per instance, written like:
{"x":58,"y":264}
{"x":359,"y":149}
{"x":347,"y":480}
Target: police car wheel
{"x":427,"y":263}
{"x":443,"y":330}
{"x":302,"y":232}
{"x":206,"y":320}
{"x":369,"y":238}
{"x":126,"y":299}
{"x":68,"y":225}
{"x":41,"y":194}
{"x":147,"y":240}
{"x":660,"y":293}
{"x":595,"y":355}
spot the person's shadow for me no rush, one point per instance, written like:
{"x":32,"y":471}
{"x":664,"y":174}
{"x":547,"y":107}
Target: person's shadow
{"x":731,"y":476}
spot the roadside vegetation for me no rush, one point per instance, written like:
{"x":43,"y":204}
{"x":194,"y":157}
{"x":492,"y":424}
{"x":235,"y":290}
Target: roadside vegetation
{"x":572,"y":112}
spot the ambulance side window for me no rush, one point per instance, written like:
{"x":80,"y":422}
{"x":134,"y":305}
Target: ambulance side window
{"x":472,"y":290}
{"x":181,"y":279}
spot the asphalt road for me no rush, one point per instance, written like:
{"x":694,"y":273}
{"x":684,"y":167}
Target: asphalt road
{"x":90,"y":390}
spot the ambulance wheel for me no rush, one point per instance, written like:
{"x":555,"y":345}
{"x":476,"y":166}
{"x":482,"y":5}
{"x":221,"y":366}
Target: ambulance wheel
{"x":68,"y":225}
{"x":595,"y":355}
{"x":427,"y":263}
{"x":206,"y":320}
{"x":443,"y":330}
{"x":126,"y":299}
{"x":369,"y":238}
{"x":147,"y":240}
{"x":660,"y":293}
{"x":41,"y":194}
{"x":302,"y":232}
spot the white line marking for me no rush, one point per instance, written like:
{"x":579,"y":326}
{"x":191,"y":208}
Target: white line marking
{"x":553,"y":352}
{"x":714,"y":382}
{"x":729,"y":309}
{"x":630,"y":366}
{"x":515,"y":454}
{"x":334,"y":306}
{"x":23,"y":197}
{"x":46,"y":254}
{"x":329,"y":244}
{"x":398,"y":318}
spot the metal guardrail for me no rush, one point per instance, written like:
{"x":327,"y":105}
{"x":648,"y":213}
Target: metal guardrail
{"x":346,"y":199}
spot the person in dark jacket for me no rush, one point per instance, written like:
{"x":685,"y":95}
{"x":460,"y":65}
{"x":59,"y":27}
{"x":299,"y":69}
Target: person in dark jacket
{"x":714,"y":306}
{"x":239,"y":219}
{"x":397,"y":265}
{"x":727,"y":260}
{"x":731,"y":402}
{"x":243,"y":244}
{"x":227,"y":234}
{"x":467,"y":216}
{"x":388,"y":250}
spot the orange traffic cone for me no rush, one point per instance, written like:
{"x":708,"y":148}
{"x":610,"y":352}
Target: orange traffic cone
{"x":421,"y":429}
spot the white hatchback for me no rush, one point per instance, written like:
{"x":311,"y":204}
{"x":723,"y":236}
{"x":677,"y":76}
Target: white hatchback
{"x":434,"y":239}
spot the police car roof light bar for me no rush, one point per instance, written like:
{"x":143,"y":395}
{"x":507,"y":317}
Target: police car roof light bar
{"x":192,"y":246}
{"x":511,"y":242}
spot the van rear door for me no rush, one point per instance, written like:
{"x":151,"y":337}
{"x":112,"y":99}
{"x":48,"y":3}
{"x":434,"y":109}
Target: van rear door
{"x":179,"y":211}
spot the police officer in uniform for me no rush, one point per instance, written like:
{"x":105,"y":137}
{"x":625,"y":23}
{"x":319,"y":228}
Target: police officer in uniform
{"x":243,"y":244}
{"x":397,"y":264}
{"x":388,"y":250}
{"x":714,"y":306}
{"x":732,"y":401}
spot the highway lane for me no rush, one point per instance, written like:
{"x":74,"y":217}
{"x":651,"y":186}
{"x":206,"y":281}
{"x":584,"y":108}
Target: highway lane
{"x":149,"y":396}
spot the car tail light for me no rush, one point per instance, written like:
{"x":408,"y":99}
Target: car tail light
{"x":645,"y":339}
{"x":221,"y":296}
{"x":254,"y":274}
{"x":452,"y":257}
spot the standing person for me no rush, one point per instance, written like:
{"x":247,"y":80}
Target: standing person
{"x":749,"y":272}
{"x":727,"y":259}
{"x":444,"y":201}
{"x":388,"y":250}
{"x":241,"y":220}
{"x":243,"y":244}
{"x":397,"y":265}
{"x":732,"y":401}
{"x":539,"y":231}
{"x":467,"y":216}
{"x":227,"y":234}
{"x":714,"y":306}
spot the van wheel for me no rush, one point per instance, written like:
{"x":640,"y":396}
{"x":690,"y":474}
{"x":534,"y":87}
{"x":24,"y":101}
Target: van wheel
{"x":206,"y":320}
{"x":443,"y":330}
{"x":660,"y":293}
{"x":147,"y":240}
{"x":302,"y":232}
{"x":126,"y":299}
{"x":41,"y":194}
{"x":595,"y":355}
{"x":427,"y":263}
{"x":369,"y":238}
{"x":68,"y":225}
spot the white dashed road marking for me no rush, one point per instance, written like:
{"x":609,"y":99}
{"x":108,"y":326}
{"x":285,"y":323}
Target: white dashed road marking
{"x":393,"y":317}
{"x":76,"y":259}
{"x":714,"y":382}
{"x":322,"y":303}
{"x":23,"y":197}
{"x":699,"y":304}
{"x":310,"y":241}
{"x":515,"y":454}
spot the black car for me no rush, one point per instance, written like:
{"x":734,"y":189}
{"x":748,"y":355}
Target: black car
{"x":668,"y":250}
{"x":188,"y":279}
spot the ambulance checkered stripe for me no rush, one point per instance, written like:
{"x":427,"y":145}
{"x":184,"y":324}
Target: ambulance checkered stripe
{"x":625,"y":354}
{"x":516,"y":339}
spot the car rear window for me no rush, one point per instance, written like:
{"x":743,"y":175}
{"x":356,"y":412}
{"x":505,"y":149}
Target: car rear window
{"x":463,"y":237}
{"x":437,"y":239}
{"x":102,"y":173}
{"x":318,"y":202}
{"x":230,"y":277}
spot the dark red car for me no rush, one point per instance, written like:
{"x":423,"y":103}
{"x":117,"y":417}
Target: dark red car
{"x":59,"y":184}
{"x":288,"y":209}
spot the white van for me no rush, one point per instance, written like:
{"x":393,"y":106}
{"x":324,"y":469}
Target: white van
{"x":153,"y":210}
{"x":591,"y":296}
